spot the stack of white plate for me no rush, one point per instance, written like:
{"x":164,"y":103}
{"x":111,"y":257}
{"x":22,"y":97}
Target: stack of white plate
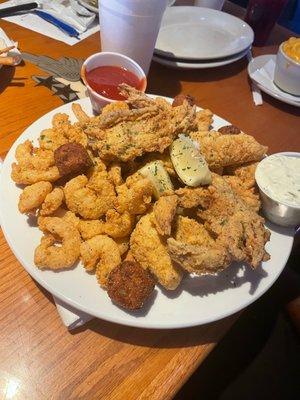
{"x":197,"y":37}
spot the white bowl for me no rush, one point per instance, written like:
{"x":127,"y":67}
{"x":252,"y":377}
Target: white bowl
{"x":287,"y":73}
{"x":108,"y":59}
{"x":279,"y":212}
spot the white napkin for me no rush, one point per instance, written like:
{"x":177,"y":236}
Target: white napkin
{"x":71,"y":317}
{"x":33,"y":22}
{"x":265,"y":77}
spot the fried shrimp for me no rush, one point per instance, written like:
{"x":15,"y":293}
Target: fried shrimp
{"x":100,"y":253}
{"x":33,"y":165}
{"x":33,"y":196}
{"x":90,"y":198}
{"x":62,"y":132}
{"x":134,"y":196}
{"x":52,"y":201}
{"x":116,"y":225}
{"x":150,"y":251}
{"x":50,"y":256}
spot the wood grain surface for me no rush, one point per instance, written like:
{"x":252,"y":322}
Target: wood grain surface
{"x":40,"y":359}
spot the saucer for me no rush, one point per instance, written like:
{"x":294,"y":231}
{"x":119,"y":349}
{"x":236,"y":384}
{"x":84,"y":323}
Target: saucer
{"x":180,"y":64}
{"x":265,"y":82}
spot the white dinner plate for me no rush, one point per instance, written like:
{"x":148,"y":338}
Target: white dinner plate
{"x":198,"y":64}
{"x":268,"y":86}
{"x":198,"y":33}
{"x":197,"y":301}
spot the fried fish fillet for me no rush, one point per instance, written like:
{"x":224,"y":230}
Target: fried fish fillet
{"x":148,"y":248}
{"x":224,"y":150}
{"x":163,"y":213}
{"x":199,"y":259}
{"x":189,"y":231}
{"x":128,"y":133}
{"x":237,"y":227}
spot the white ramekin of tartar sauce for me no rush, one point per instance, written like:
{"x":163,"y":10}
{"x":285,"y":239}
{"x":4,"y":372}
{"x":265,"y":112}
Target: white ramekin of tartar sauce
{"x":278,"y":180}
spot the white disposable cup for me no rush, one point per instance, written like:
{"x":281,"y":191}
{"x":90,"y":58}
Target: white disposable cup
{"x":130,"y":27}
{"x":215,"y":4}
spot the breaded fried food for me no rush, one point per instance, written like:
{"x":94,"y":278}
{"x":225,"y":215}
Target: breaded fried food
{"x":229,"y":130}
{"x":249,"y":195}
{"x":52,"y":201}
{"x":189,"y":231}
{"x":100,"y":253}
{"x":199,"y":259}
{"x":129,"y":285}
{"x":33,"y":196}
{"x":134,"y":196}
{"x":115,"y":225}
{"x":49,"y":256}
{"x":81,"y":115}
{"x":149,"y":250}
{"x":245,"y":172}
{"x":126,"y":134}
{"x":225,"y":150}
{"x":72,"y":158}
{"x":180,"y":98}
{"x":190,"y":197}
{"x":237,"y":228}
{"x":90,"y":198}
{"x":204,"y":119}
{"x":244,"y":236}
{"x":62,"y":131}
{"x":163,"y":213}
{"x":33,"y":165}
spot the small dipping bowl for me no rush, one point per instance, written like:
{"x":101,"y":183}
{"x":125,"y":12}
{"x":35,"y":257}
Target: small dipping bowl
{"x":287,"y":73}
{"x":279,"y":212}
{"x":109,"y":59}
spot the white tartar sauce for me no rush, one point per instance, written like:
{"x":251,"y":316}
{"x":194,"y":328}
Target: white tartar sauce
{"x":279,"y":177}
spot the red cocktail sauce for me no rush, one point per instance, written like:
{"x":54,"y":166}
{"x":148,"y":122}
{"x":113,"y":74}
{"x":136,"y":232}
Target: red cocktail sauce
{"x":105,"y":80}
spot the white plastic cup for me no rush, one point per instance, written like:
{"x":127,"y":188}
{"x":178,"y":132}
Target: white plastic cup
{"x":215,"y":4}
{"x":130,"y":27}
{"x":105,"y":59}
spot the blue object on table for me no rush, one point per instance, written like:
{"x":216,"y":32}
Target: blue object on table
{"x":291,"y":16}
{"x":59,"y":24}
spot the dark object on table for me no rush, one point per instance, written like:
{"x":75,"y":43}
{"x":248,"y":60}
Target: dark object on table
{"x":72,"y":158}
{"x":7,"y":11}
{"x":262,"y":16}
{"x":179,"y":99}
{"x":129,"y":285}
{"x":229,"y":130}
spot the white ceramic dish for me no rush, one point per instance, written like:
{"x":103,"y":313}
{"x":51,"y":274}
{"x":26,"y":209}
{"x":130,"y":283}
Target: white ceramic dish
{"x":198,"y":33}
{"x":200,"y":64}
{"x":268,"y":86}
{"x":287,"y":73}
{"x":197,"y":301}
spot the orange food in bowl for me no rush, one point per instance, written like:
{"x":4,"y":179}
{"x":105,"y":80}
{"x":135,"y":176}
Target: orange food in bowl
{"x":292,"y":48}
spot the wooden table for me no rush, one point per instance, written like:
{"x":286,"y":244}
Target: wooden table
{"x":40,"y":359}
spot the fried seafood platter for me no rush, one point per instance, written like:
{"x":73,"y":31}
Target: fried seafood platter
{"x":130,"y":207}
